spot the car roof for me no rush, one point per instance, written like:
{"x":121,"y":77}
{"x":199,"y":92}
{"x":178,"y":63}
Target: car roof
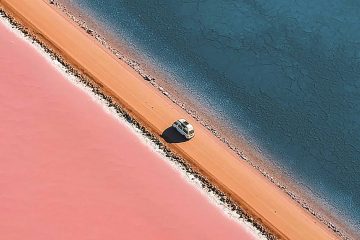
{"x":186,"y":124}
{"x":190,"y":127}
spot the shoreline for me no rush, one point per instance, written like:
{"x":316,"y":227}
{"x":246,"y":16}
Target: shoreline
{"x":50,"y":83}
{"x":225,"y":204}
{"x":314,"y":204}
{"x":107,"y":97}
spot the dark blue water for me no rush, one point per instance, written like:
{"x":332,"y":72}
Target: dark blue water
{"x":287,"y":72}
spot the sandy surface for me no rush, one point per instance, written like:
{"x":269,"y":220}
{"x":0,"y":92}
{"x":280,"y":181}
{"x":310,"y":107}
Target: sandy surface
{"x":69,"y":170}
{"x":255,"y":193}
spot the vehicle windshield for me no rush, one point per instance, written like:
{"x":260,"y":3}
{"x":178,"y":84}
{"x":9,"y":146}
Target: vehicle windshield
{"x":191,"y":131}
{"x":186,"y":123}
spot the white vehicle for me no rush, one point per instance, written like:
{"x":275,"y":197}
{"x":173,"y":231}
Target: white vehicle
{"x":184,"y":128}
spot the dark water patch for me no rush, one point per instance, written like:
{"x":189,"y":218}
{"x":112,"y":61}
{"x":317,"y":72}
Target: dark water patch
{"x":285,"y":73}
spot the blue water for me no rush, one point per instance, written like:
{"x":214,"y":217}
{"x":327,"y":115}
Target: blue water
{"x":287,"y":72}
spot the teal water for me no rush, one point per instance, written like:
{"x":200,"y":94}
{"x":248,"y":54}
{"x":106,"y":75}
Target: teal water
{"x":288,"y":72}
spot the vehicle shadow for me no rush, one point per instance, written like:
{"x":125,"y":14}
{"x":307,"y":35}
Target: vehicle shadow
{"x":171,"y":135}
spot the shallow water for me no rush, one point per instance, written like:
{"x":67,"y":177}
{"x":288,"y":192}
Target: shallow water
{"x":70,"y":170}
{"x":284,"y":73}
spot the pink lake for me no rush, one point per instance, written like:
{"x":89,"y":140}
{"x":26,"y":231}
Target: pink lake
{"x":69,"y":170}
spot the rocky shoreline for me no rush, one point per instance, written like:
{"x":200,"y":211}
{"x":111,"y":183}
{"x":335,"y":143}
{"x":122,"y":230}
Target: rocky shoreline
{"x":194,"y":174}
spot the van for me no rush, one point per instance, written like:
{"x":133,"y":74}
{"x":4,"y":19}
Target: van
{"x":184,"y":128}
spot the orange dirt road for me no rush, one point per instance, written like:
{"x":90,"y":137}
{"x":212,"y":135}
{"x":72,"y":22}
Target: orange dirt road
{"x":255,"y":193}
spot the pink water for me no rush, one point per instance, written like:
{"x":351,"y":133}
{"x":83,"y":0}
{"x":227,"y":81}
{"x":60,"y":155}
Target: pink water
{"x":68,"y":170}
